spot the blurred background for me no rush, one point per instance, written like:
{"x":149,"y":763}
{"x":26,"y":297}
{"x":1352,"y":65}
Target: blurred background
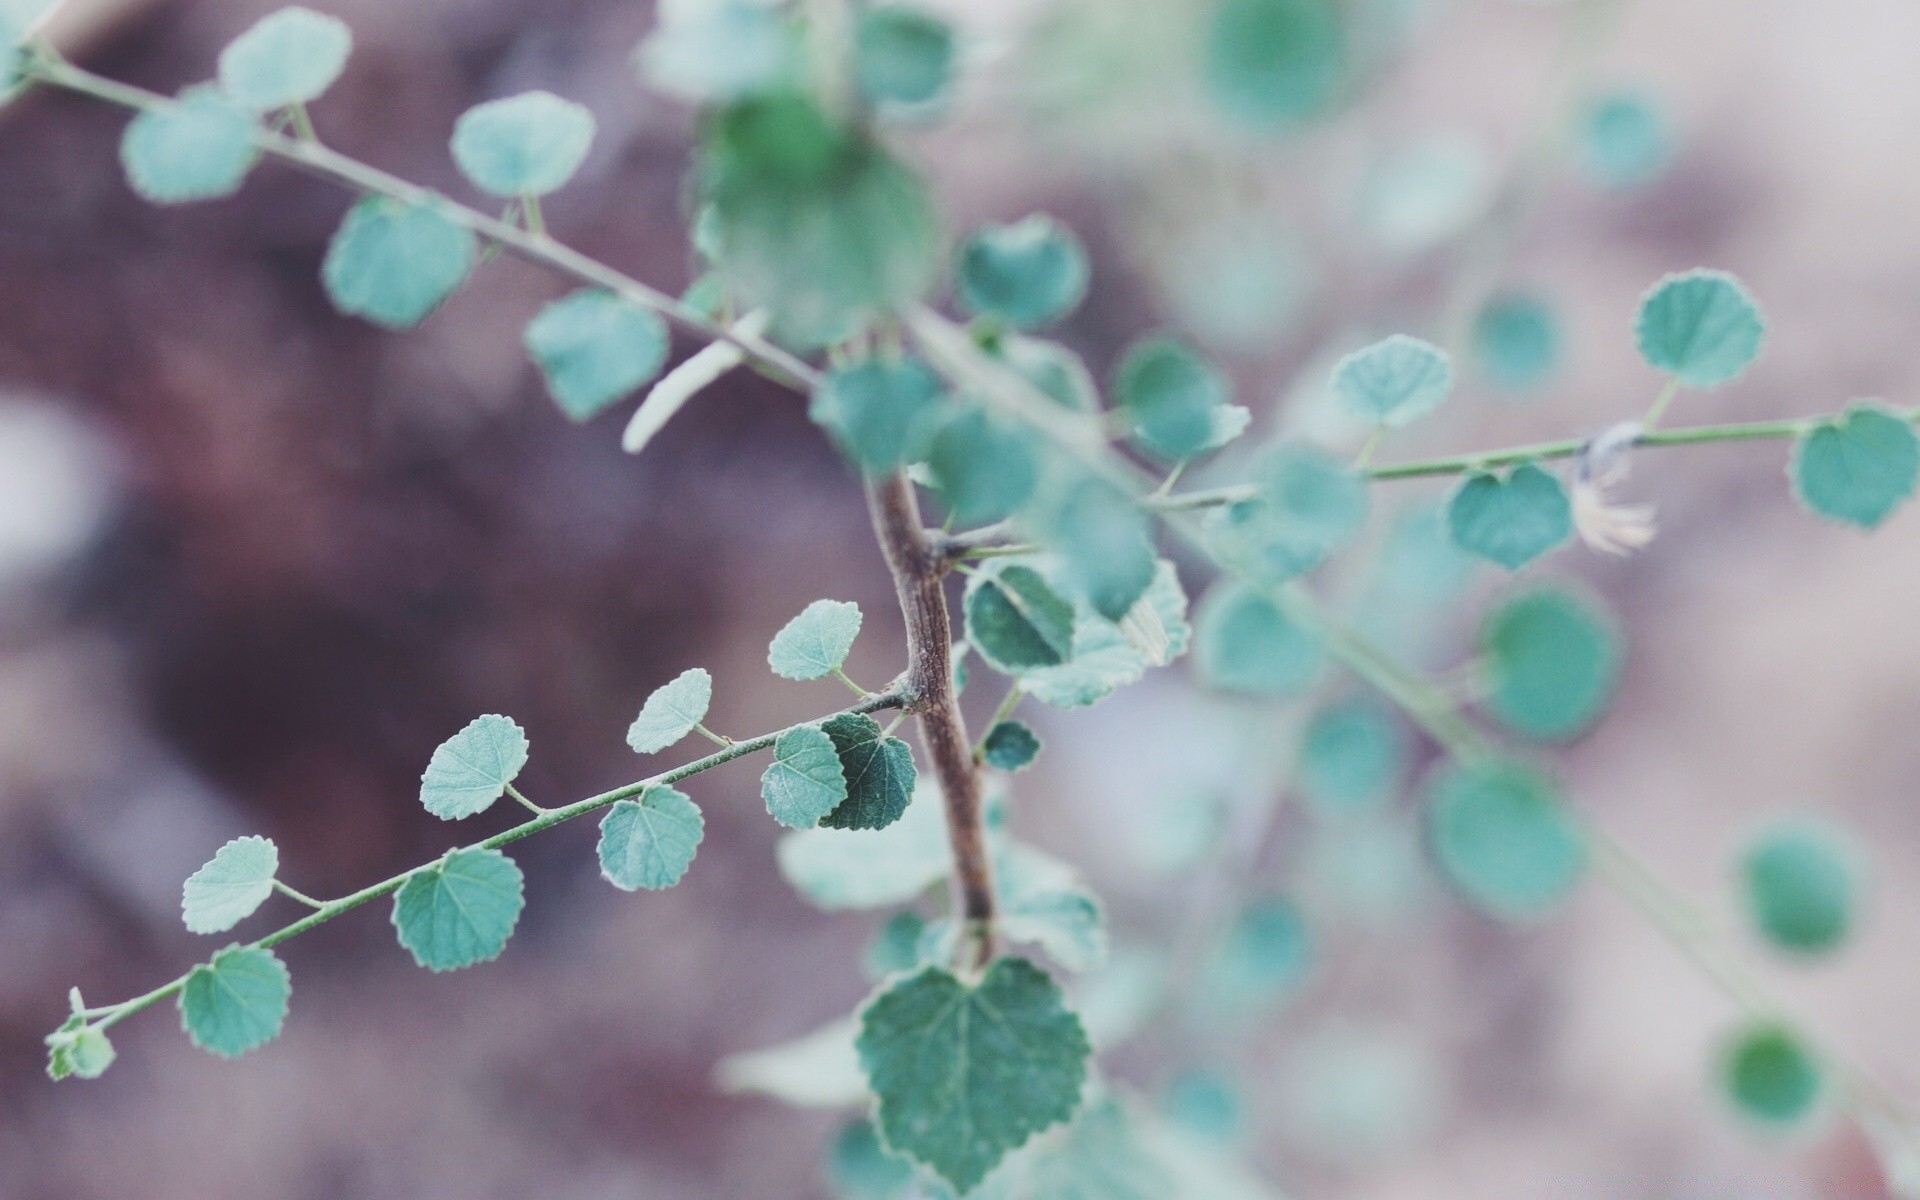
{"x":257,"y":560}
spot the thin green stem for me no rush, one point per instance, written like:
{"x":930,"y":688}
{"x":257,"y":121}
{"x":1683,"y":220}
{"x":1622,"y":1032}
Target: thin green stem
{"x":854,"y":687}
{"x":536,"y":221}
{"x":302,"y":122}
{"x":547,"y":819}
{"x":1661,"y":403}
{"x":1367,"y":448}
{"x":718,"y":739}
{"x":525,"y":803}
{"x":302,"y":897}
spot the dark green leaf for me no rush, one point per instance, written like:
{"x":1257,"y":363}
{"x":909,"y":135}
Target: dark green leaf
{"x":878,"y":770}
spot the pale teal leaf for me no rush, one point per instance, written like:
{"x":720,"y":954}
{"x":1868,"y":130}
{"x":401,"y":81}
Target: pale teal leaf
{"x":472,"y":769}
{"x":840,"y":869}
{"x":804,"y":782}
{"x":1244,"y":644}
{"x":1801,"y":882}
{"x":718,"y":50}
{"x":815,"y":643}
{"x":966,"y":1074}
{"x":235,"y":882}
{"x":1171,"y":394}
{"x":1104,"y":656}
{"x":1858,"y":467}
{"x":1394,"y":382}
{"x":198,"y":147}
{"x":985,"y":466}
{"x":235,"y":1002}
{"x":1267,"y":954}
{"x":525,"y":145}
{"x":650,"y":842}
{"x":393,"y":262}
{"x":1104,"y":542}
{"x":1068,"y":923}
{"x":594,"y":347}
{"x":1770,"y":1076}
{"x":84,"y":1051}
{"x":672,"y":711}
{"x":1517,"y":342}
{"x":859,"y":1167}
{"x":1307,"y":506}
{"x":1010,"y":746}
{"x":879,"y":773}
{"x":1026,"y":274}
{"x":882,"y":415}
{"x":1700,"y":327}
{"x":1551,"y":660}
{"x":1016,"y":620}
{"x":896,"y":947}
{"x":461,"y":910}
{"x":1353,"y":754}
{"x":1052,"y":369}
{"x":817,"y":1070}
{"x":1625,"y":140}
{"x":1510,"y":518}
{"x":901,"y":55}
{"x":288,"y":57}
{"x":1275,"y":63}
{"x":1503,"y":837}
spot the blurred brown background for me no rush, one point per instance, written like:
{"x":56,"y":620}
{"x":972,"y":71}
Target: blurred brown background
{"x":256,"y":560}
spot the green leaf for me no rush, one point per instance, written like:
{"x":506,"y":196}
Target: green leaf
{"x":817,"y":1070}
{"x":1308,"y":506}
{"x":1170,"y":393}
{"x":671,"y":712}
{"x":1770,"y":1077}
{"x":878,"y":770}
{"x":966,"y":1074}
{"x":234,"y":882}
{"x":525,"y":145}
{"x":896,"y":947}
{"x":901,"y":55}
{"x":722,"y":50}
{"x":1105,"y":544}
{"x":1242,"y":643}
{"x":472,"y":769}
{"x":1551,"y":661}
{"x":815,"y":220}
{"x":1010,"y":746}
{"x":1700,"y":327}
{"x":461,"y":910}
{"x":1016,"y":620}
{"x":804,"y":782}
{"x":1517,"y":342}
{"x":594,"y":347}
{"x":1353,"y":754}
{"x":1052,"y":369}
{"x":1267,"y":955}
{"x":1275,"y":63}
{"x":839,"y":868}
{"x":1624,"y":140}
{"x":985,"y":466}
{"x":235,"y":1002}
{"x":882,"y":415}
{"x":1104,"y":656}
{"x":815,"y":643}
{"x":199,"y":147}
{"x":1800,"y":882}
{"x":1502,"y":836}
{"x":1509,"y":519}
{"x":289,"y":57}
{"x":1394,"y":382}
{"x":859,"y":1167}
{"x":1043,"y":903}
{"x":83,"y":1051}
{"x":650,"y":842}
{"x":393,"y":262}
{"x":1858,"y":467}
{"x":1027,"y":274}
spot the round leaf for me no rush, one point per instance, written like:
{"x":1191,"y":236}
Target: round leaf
{"x":1394,"y":382}
{"x":393,"y":262}
{"x":1275,"y":62}
{"x":1010,"y":746}
{"x":1242,"y":643}
{"x":671,"y":712}
{"x":1517,"y":342}
{"x":878,"y":770}
{"x":199,"y":147}
{"x":815,"y":643}
{"x":882,"y":415}
{"x":1511,"y":519}
{"x":235,"y":1002}
{"x":1016,"y":620}
{"x":650,"y":842}
{"x":1800,"y":881}
{"x":985,"y":466}
{"x":288,"y":57}
{"x":966,"y":1074}
{"x":594,"y":347}
{"x":461,"y":910}
{"x":1170,"y":394}
{"x":472,"y":769}
{"x":1700,"y":327}
{"x":1551,"y":660}
{"x":1353,"y":754}
{"x":1027,"y":274}
{"x":1105,"y":544}
{"x":1769,"y":1076}
{"x":1625,"y":140}
{"x":804,"y":782}
{"x":234,"y":882}
{"x":525,"y":145}
{"x":1308,"y":506}
{"x":1858,"y":467}
{"x":1502,"y":837}
{"x":901,"y":55}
